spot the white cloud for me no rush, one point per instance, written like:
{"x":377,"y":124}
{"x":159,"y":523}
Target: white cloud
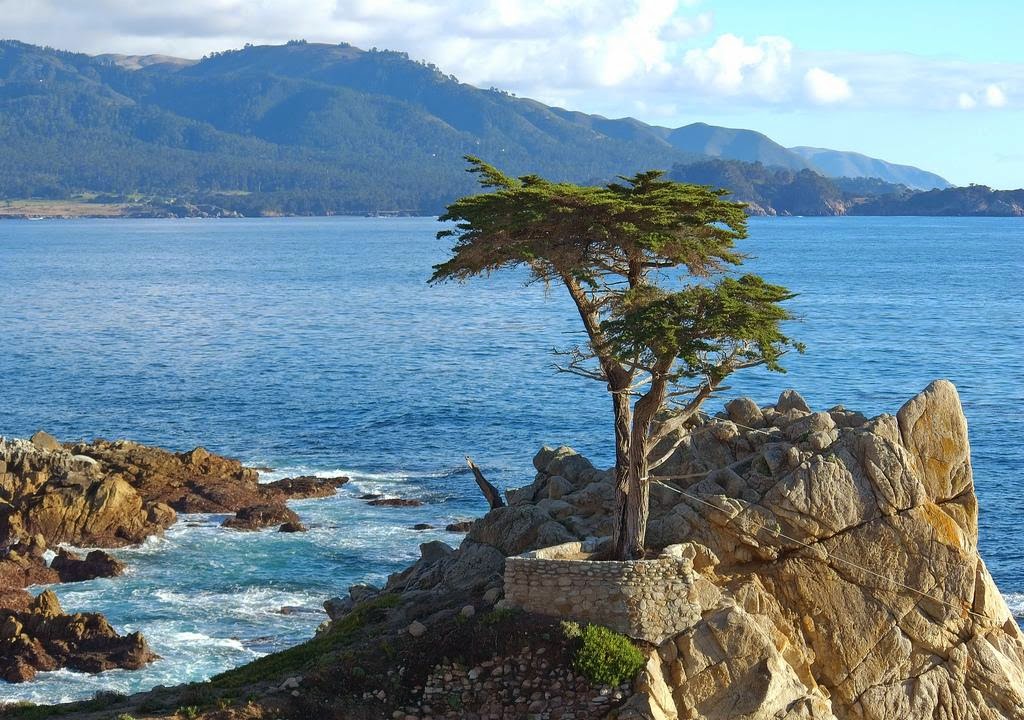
{"x":994,"y":96}
{"x":966,"y":101}
{"x":608,"y":56}
{"x":824,"y":88}
{"x":731,"y":66}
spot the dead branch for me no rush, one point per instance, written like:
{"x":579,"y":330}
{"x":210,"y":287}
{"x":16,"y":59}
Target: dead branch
{"x":490,"y":492}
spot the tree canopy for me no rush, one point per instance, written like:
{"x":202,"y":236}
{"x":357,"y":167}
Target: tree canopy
{"x":648,"y":264}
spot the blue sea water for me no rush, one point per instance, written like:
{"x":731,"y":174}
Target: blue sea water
{"x":316,"y":345}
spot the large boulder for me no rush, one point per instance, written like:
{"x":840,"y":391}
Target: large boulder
{"x":97,"y":564}
{"x":515,"y":529}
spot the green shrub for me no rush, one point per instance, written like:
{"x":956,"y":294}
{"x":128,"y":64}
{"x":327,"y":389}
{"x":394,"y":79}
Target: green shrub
{"x":499,"y":616}
{"x":189,"y":713}
{"x":606,"y":658}
{"x":571,"y":630}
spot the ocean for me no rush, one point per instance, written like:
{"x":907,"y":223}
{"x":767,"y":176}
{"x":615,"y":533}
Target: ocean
{"x":315,"y":345}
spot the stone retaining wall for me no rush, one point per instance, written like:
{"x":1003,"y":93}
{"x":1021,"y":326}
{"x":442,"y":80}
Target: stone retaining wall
{"x":649,"y":600}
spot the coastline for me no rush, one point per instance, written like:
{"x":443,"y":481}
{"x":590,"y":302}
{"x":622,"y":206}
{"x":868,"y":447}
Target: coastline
{"x":440,"y":626}
{"x":33,"y":210}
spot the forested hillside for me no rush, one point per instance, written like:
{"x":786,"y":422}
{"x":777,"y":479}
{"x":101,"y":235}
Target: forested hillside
{"x":319,"y":129}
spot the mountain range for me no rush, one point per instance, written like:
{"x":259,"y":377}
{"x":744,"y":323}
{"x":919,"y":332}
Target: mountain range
{"x":308,"y":128}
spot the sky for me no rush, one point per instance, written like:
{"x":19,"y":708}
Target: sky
{"x":933,"y":83}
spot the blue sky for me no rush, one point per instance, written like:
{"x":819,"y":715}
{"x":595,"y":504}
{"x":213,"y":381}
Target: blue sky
{"x":936,"y":84}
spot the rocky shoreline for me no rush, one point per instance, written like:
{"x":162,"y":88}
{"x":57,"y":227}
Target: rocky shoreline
{"x":835,"y":576}
{"x":107,"y":495}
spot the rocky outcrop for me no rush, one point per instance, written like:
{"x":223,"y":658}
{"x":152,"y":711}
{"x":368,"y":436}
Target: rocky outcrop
{"x":197,"y":481}
{"x":306,"y":486}
{"x":258,"y":517}
{"x":109,"y":494}
{"x":67,"y":497}
{"x":41,"y":637}
{"x":97,"y":564}
{"x":24,"y":563}
{"x":835,"y":559}
{"x":21,"y":565}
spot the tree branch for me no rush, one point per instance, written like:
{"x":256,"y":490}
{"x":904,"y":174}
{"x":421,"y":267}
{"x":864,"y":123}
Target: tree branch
{"x":490,"y":492}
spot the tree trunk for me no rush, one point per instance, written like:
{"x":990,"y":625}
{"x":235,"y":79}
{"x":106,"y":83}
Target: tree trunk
{"x":623,"y":422}
{"x":638,"y":492}
{"x":619,"y":379}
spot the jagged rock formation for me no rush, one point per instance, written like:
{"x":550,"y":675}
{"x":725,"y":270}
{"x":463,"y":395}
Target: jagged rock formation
{"x":836,"y":556}
{"x":106,"y":494}
{"x":68,"y":497}
{"x":109,"y":494}
{"x":257,"y":517}
{"x":42,"y":637}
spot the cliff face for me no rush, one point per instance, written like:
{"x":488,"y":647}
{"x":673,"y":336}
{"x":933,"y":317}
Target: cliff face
{"x":837,"y":567}
{"x":847,"y":580}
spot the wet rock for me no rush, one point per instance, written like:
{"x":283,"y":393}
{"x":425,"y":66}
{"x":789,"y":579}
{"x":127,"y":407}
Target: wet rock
{"x":292,"y":527}
{"x":97,"y":564}
{"x":43,"y":638}
{"x":395,"y":502}
{"x":462,"y":526}
{"x":306,"y":486}
{"x":262,"y":516}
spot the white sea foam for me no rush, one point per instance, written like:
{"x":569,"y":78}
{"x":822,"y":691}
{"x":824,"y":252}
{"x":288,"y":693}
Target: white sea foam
{"x":1015,"y":601}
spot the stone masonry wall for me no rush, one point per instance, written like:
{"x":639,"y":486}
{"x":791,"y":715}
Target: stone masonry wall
{"x":648,"y":600}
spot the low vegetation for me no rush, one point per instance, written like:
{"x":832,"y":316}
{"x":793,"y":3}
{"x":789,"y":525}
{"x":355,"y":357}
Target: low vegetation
{"x":603,"y":656}
{"x":339,"y":634}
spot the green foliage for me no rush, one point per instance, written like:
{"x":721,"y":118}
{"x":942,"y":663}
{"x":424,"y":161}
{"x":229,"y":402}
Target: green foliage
{"x":607,"y":246}
{"x":563,"y":230}
{"x":498,"y":616}
{"x":571,"y":630}
{"x":189,"y":712}
{"x":706,"y":326}
{"x":338,"y":634}
{"x":614,"y":249}
{"x":606,"y":658}
{"x":24,"y":710}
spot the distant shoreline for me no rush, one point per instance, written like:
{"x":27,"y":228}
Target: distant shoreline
{"x":35,"y":210}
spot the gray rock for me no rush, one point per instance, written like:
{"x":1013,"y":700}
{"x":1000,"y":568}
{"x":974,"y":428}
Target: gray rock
{"x":813,"y":423}
{"x":44,"y":441}
{"x":337,"y":607}
{"x":745,"y":412}
{"x":515,"y":529}
{"x":361,"y":593}
{"x":435,"y":550}
{"x":559,"y":486}
{"x":791,"y":400}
